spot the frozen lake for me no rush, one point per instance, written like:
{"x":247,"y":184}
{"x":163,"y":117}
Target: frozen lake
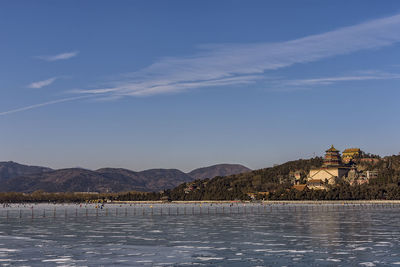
{"x":221,"y":234}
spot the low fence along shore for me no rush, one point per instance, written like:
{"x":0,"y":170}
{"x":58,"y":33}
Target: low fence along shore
{"x":37,"y":211}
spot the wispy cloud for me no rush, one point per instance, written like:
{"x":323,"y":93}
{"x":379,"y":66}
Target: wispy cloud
{"x":40,"y":84}
{"x":336,"y":79}
{"x":231,"y":64}
{"x":42,"y":104}
{"x":61,"y":56}
{"x":237,"y":64}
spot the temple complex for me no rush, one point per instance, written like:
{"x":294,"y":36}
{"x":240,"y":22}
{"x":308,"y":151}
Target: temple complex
{"x":336,"y":167}
{"x":331,"y":169}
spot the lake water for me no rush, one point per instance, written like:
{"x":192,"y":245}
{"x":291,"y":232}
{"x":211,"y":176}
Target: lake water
{"x":217,"y":235}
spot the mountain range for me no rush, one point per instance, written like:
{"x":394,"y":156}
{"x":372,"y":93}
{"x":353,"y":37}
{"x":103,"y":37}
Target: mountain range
{"x":15,"y":177}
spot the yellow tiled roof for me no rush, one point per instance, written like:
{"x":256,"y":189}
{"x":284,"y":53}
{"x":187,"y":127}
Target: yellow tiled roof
{"x":332,"y":149}
{"x":351,"y":150}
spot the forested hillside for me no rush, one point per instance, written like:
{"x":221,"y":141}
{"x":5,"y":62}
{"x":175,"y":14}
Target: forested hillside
{"x":237,"y":186}
{"x":274,"y":184}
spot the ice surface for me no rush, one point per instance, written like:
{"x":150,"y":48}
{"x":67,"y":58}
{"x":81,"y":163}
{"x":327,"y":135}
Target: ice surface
{"x":218,"y":234}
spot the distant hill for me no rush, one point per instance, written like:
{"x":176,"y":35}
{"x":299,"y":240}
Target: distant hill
{"x":148,"y":180}
{"x":10,"y":169}
{"x":15,"y":177}
{"x":218,"y":170}
{"x":103,"y":180}
{"x":68,"y":180}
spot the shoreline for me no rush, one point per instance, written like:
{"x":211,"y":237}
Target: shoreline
{"x":267,"y":202}
{"x":237,"y":202}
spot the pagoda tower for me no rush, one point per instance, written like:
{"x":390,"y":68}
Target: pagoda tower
{"x":332,"y":157}
{"x":331,"y":170}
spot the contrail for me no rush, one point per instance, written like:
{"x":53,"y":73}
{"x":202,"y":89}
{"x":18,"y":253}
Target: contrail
{"x":42,"y":105}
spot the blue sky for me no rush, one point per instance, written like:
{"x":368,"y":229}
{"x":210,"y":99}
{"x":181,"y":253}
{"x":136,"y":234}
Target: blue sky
{"x":186,"y":84}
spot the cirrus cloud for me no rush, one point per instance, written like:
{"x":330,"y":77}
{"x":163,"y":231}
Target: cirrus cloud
{"x":236,"y":64}
{"x":43,"y":83}
{"x":62,"y":56}
{"x":230,"y":64}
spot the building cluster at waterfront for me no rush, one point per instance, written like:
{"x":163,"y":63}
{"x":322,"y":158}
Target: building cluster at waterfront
{"x":336,"y":167}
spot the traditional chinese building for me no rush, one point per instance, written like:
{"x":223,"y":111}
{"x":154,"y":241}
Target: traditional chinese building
{"x":331,"y":169}
{"x":350,"y":153}
{"x":332,"y":157}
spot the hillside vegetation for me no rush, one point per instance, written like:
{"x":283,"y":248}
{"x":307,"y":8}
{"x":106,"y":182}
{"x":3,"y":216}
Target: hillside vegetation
{"x":237,"y":186}
{"x":274,"y":184}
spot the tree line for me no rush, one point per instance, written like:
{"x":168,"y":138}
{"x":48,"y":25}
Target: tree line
{"x":70,"y":197}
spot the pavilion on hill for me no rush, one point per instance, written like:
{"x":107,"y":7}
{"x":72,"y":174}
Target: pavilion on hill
{"x":332,"y":157}
{"x":331,"y":169}
{"x":350,"y":153}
